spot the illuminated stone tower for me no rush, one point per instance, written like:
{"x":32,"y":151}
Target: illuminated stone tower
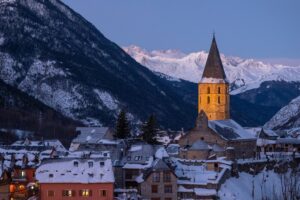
{"x":213,"y":89}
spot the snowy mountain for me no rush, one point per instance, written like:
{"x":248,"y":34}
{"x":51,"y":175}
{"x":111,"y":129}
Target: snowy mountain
{"x":287,"y":117}
{"x":53,"y":54}
{"x":243,"y":74}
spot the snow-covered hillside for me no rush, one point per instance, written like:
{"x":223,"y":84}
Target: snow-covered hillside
{"x":264,"y":185}
{"x":287,"y":117}
{"x":243,"y":74}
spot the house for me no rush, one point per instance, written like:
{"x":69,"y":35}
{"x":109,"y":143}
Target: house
{"x":215,"y":131}
{"x":158,"y":182}
{"x":199,"y":179}
{"x":4,"y":181}
{"x":90,"y":178}
{"x":89,"y":137}
{"x":138,"y":158}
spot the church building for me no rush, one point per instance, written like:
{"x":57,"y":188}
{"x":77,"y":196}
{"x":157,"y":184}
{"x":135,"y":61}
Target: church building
{"x":215,"y":134}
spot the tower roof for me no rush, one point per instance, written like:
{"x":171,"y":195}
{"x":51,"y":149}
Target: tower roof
{"x":213,"y":70}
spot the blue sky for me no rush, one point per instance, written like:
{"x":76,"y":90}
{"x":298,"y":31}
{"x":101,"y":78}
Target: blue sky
{"x":264,"y":29}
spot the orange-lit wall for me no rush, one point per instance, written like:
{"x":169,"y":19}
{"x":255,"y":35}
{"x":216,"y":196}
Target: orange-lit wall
{"x":59,"y":187}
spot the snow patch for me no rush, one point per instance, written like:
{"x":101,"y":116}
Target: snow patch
{"x":110,"y":102}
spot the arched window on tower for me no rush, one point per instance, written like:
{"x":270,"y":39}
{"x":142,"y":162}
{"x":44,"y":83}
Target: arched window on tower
{"x":219,"y":100}
{"x":208,"y":100}
{"x":208,"y":90}
{"x":219,"y":90}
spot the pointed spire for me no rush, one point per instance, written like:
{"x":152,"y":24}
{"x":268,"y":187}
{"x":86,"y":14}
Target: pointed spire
{"x":213,"y":67}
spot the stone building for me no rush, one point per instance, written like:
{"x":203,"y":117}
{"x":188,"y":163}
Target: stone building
{"x":159,"y":182}
{"x":215,"y":134}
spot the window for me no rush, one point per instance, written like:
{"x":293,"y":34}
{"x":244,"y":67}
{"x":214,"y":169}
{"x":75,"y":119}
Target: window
{"x":50,"y":175}
{"x":219,"y":90}
{"x":136,"y":158}
{"x":167,"y":177}
{"x":154,"y":188}
{"x":168,"y":188}
{"x":208,"y":90}
{"x":75,"y":163}
{"x":68,"y":193}
{"x":208,"y":100}
{"x":85,"y":193}
{"x":219,"y":100}
{"x":156,"y":177}
{"x":202,"y":138}
{"x":50,"y":193}
{"x":103,"y":193}
{"x":90,"y":164}
{"x":101,"y":163}
{"x":199,"y":99}
{"x":23,"y":173}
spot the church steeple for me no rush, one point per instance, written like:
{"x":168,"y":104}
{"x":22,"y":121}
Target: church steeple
{"x":213,"y":67}
{"x":213,"y":89}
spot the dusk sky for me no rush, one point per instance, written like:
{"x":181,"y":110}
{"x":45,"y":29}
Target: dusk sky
{"x":267,"y":30}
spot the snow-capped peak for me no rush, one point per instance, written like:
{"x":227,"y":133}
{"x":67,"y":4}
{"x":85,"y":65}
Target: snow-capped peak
{"x":243,"y":74}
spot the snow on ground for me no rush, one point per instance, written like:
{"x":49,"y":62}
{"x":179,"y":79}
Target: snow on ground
{"x":264,"y":184}
{"x":245,"y":73}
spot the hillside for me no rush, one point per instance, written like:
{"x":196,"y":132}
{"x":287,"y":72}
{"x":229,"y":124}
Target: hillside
{"x":54,"y":55}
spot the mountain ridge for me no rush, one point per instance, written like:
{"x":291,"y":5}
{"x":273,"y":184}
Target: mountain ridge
{"x":243,"y":74}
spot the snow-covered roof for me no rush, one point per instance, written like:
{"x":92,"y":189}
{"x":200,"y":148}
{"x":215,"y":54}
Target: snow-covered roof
{"x":200,"y":145}
{"x":76,"y":171}
{"x":161,"y":153}
{"x":38,"y":145}
{"x":144,"y":165}
{"x":230,"y":130}
{"x":90,"y":134}
{"x":173,"y":149}
{"x":194,"y":174}
{"x":287,"y":141}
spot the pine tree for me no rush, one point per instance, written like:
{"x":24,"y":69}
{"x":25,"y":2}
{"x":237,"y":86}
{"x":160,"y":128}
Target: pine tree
{"x":149,"y":130}
{"x":122,"y":126}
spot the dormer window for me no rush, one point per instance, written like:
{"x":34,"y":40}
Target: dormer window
{"x":50,"y":175}
{"x":90,"y":164}
{"x":136,"y":158}
{"x":75,"y":163}
{"x":101,"y":163}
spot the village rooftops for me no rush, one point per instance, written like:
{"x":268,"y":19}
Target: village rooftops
{"x":69,"y":170}
{"x":230,"y":130}
{"x":35,"y":145}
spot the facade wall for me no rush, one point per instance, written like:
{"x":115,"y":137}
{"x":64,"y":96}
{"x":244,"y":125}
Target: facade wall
{"x":217,"y":107}
{"x":58,"y":188}
{"x":243,"y":149}
{"x":206,"y":135}
{"x":4,"y":192}
{"x":146,"y":187}
{"x":194,"y":155}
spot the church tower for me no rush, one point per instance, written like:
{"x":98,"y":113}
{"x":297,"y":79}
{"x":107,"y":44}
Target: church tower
{"x":213,"y":89}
